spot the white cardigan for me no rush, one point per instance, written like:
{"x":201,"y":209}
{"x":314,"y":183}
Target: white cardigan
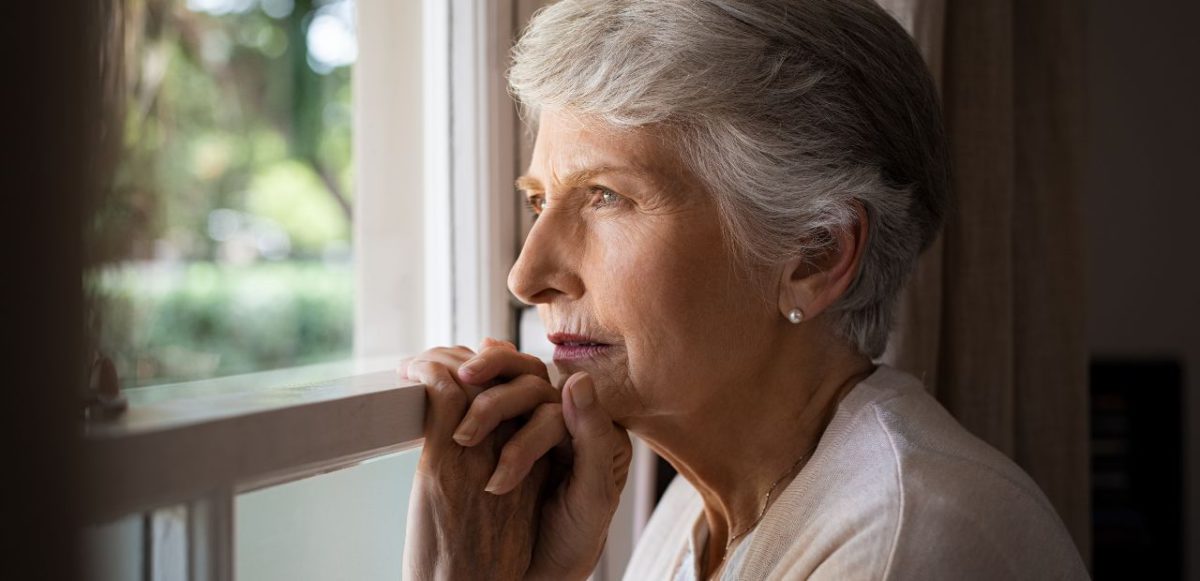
{"x":896,"y":489}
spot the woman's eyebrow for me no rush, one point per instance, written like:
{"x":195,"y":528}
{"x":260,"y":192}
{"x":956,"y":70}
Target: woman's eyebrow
{"x":529,"y":184}
{"x":576,"y":178}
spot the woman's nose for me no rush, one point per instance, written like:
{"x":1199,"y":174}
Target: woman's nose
{"x":542,"y":272}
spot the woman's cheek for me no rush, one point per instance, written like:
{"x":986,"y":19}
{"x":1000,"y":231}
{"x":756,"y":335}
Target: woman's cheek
{"x":648,"y":273}
{"x":652,"y":344}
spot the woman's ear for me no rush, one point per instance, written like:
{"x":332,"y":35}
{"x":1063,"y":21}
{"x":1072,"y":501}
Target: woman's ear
{"x":814,"y":284}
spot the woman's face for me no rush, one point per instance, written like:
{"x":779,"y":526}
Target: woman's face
{"x":631,"y":275}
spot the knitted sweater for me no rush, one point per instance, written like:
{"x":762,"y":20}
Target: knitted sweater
{"x":896,"y":489}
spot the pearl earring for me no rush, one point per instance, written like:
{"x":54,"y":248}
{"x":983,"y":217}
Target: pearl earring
{"x":795,"y":316}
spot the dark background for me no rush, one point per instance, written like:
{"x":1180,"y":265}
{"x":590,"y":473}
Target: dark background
{"x":1141,"y":204}
{"x":48,"y":65}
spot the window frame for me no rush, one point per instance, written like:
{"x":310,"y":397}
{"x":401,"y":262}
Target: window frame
{"x":223,"y":437}
{"x":435,"y":172}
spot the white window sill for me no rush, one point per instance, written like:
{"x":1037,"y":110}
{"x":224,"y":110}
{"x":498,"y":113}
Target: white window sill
{"x":180,"y":442}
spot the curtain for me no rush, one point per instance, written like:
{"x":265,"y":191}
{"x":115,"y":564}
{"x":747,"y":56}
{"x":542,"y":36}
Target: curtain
{"x":993,"y":318}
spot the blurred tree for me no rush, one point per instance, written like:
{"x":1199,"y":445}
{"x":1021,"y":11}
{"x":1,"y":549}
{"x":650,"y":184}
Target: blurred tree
{"x":235,"y":149}
{"x":209,"y":97}
{"x":308,"y":104}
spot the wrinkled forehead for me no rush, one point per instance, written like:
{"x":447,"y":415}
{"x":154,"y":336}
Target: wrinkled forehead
{"x":570,"y":144}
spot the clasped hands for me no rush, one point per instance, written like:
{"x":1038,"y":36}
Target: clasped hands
{"x":517,"y":479}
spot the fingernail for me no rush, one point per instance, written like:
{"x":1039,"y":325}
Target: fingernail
{"x":582,"y":394}
{"x":471,"y":367}
{"x":466,"y":431}
{"x":497,"y":479}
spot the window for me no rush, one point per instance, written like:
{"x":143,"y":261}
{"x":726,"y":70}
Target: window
{"x":224,"y":243}
{"x":299,"y":473}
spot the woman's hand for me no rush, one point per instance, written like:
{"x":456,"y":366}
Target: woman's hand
{"x":590,"y":454}
{"x":455,"y":529}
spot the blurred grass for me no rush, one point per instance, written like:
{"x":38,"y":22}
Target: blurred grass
{"x":183,"y":321}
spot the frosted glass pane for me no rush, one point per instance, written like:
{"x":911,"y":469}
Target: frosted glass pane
{"x":347,"y":524}
{"x":168,"y":542}
{"x":113,"y":551}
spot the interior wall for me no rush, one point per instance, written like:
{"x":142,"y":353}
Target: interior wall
{"x":388,"y":155}
{"x":1142,"y":199}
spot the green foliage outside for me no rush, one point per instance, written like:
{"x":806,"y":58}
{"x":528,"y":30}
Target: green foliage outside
{"x":175,"y":323}
{"x":223,"y":244}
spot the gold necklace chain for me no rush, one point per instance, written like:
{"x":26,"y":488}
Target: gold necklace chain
{"x":766,"y":503}
{"x":854,"y":380}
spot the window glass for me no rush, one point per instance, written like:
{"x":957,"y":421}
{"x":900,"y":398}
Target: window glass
{"x":223,"y":245}
{"x":346,"y":524}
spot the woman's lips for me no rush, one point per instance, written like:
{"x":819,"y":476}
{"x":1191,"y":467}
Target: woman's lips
{"x":573,"y":347}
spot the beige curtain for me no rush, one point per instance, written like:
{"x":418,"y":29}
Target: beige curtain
{"x":993,"y":319}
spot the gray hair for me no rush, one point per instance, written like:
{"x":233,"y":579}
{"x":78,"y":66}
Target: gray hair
{"x":790,"y":111}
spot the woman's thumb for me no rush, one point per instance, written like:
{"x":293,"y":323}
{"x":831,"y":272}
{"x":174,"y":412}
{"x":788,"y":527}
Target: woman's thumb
{"x":591,"y":439}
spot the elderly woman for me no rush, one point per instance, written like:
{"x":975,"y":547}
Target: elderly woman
{"x":729,"y":196}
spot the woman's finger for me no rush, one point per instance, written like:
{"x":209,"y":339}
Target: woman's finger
{"x":450,"y":357}
{"x":501,"y":361}
{"x":503,"y":402}
{"x":490,"y":342}
{"x":600,"y":447}
{"x":445,"y":402}
{"x":542,"y":433}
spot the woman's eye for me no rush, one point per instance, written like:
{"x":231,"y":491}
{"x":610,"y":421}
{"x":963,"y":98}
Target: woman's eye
{"x":607,"y":197}
{"x":536,"y":204}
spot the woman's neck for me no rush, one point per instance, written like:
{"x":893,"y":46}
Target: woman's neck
{"x":736,"y":447}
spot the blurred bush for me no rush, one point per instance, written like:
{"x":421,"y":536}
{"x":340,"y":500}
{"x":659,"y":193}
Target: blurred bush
{"x":173,"y":322}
